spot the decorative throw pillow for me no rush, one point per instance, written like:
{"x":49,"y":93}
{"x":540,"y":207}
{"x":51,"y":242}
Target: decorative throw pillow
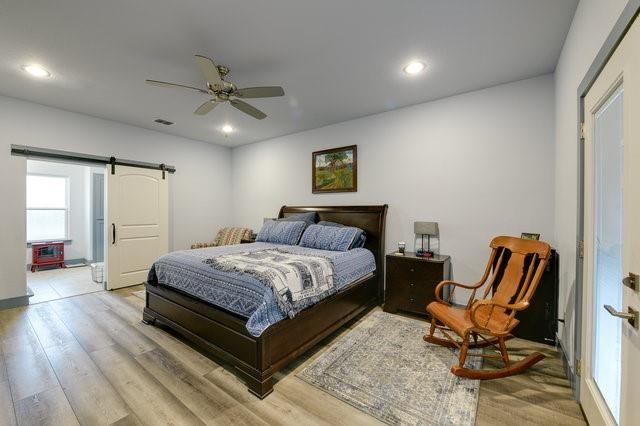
{"x":233,"y":235}
{"x":281,"y":232}
{"x":308,"y":218}
{"x":334,"y":238}
{"x":360,"y":239}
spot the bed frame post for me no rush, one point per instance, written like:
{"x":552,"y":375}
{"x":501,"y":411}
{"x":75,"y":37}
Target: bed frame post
{"x":147,"y":314}
{"x":260,"y":388}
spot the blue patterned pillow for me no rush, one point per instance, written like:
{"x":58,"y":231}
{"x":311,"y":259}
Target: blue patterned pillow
{"x":327,"y":223}
{"x":358,"y":241}
{"x":334,"y":238}
{"x":281,"y":232}
{"x":309,"y":218}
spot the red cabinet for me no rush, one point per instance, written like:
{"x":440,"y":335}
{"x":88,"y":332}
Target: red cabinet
{"x":47,"y":254}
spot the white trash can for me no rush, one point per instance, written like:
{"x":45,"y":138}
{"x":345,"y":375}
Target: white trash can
{"x":97,"y":272}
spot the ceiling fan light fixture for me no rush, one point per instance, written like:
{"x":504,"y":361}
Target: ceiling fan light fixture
{"x":36,"y":70}
{"x":221,"y":91}
{"x":414,"y":67}
{"x":227,"y":128}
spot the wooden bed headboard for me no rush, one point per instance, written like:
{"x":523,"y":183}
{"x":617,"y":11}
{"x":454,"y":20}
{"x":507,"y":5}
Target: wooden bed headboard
{"x":371,"y":219}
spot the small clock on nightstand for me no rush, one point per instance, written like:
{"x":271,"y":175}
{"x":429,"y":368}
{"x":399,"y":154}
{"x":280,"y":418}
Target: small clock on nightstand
{"x":412,"y":280}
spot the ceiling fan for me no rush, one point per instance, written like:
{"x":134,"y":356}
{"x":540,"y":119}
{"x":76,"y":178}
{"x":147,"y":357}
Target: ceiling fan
{"x":224,"y":91}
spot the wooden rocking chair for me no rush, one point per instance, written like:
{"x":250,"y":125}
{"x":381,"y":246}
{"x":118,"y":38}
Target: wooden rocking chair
{"x":513,"y":271}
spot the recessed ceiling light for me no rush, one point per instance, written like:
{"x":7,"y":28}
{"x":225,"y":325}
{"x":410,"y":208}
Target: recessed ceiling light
{"x":414,"y":67}
{"x":227,"y":128}
{"x":36,"y":70}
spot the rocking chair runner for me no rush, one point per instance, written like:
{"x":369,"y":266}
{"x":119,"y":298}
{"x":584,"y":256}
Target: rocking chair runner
{"x":514,"y":270}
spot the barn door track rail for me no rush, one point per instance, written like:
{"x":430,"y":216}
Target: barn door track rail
{"x":54,"y":154}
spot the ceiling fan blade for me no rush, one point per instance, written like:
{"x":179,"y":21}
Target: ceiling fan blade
{"x":206,"y":107}
{"x":248,"y":109}
{"x":260,"y":92}
{"x":174,"y":85}
{"x":210,"y":71}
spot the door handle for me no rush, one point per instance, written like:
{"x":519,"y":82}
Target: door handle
{"x":631,"y":281}
{"x":631,"y":315}
{"x":113,"y":231}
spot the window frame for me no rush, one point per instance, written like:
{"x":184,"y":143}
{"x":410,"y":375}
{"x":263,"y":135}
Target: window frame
{"x":66,"y":209}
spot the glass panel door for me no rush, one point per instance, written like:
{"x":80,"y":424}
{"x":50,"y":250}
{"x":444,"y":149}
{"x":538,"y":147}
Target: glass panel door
{"x":608,"y":233}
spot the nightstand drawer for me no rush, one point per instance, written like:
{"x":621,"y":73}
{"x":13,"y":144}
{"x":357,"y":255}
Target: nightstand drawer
{"x":416,"y":286}
{"x":412,"y":271}
{"x":417,"y":305}
{"x":416,"y":298}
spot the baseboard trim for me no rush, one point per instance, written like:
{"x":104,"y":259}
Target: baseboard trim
{"x":14,"y":302}
{"x":574,"y":380}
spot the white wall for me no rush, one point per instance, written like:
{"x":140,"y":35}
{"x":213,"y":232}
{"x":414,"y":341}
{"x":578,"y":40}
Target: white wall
{"x":78,"y":187}
{"x":592,"y":23}
{"x":481,"y":164}
{"x":199,"y":191}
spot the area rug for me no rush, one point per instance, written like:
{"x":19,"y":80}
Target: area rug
{"x":384,"y":368}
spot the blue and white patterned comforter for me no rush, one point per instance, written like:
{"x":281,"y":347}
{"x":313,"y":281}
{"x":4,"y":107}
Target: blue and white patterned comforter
{"x":243,"y":294}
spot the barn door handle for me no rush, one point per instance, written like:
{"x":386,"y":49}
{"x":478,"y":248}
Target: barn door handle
{"x":113,"y":231}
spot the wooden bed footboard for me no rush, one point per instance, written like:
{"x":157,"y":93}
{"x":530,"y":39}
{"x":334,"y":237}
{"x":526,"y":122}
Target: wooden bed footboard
{"x":223,"y":335}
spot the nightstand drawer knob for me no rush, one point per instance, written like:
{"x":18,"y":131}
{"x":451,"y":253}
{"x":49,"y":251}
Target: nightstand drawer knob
{"x":411,"y":300}
{"x":410,"y":284}
{"x":412,"y":270}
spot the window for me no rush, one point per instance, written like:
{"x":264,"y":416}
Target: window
{"x":47,"y":208}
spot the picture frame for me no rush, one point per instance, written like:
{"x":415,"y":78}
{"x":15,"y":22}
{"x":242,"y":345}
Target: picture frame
{"x":335,"y":170}
{"x":530,"y":236}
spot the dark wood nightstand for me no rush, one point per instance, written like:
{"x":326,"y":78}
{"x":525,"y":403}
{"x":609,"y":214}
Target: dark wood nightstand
{"x":411,"y":281}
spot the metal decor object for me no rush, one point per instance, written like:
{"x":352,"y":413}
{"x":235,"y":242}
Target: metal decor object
{"x":222,"y":91}
{"x":631,"y":281}
{"x":631,"y":315}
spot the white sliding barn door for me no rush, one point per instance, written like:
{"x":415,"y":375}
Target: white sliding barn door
{"x":137,"y":223}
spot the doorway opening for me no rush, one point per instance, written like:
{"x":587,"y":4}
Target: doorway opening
{"x":65,"y":229}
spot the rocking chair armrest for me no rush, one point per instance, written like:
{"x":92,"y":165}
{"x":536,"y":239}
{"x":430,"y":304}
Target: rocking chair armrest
{"x":439,"y":287}
{"x":511,"y":306}
{"x":488,"y":302}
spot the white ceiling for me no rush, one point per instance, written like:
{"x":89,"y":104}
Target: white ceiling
{"x":336,"y":59}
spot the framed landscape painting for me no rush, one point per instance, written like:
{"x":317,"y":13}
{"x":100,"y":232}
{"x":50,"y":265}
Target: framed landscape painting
{"x":335,"y":170}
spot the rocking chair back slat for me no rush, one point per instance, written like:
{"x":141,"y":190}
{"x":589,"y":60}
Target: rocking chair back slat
{"x":480,"y":283}
{"x":511,"y":279}
{"x":529,"y":277}
{"x":491,"y":267}
{"x":536,"y":278}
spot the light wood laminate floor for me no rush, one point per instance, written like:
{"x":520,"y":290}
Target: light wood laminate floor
{"x":58,"y":283}
{"x":90,"y":360}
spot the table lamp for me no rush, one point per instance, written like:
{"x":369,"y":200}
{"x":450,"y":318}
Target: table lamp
{"x":428,"y":229}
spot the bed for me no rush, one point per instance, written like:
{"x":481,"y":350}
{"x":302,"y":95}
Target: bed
{"x":258,"y":346}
